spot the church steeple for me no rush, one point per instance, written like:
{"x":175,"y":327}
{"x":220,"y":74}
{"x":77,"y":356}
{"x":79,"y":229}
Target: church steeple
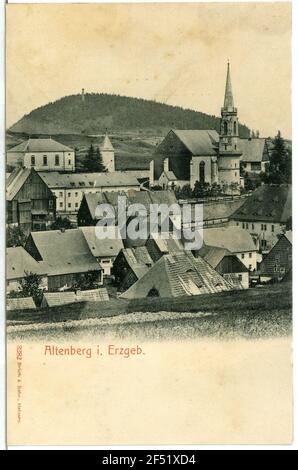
{"x":228,"y":101}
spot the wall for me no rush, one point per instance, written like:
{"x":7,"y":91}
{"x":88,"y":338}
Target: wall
{"x":211,"y":172}
{"x":66,"y":161}
{"x":248,"y":258}
{"x":108,"y":159}
{"x":228,"y":169}
{"x":267,"y":231}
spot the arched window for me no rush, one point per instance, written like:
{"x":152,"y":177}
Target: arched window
{"x":225,"y":128}
{"x":235,"y":128}
{"x":202,"y":172}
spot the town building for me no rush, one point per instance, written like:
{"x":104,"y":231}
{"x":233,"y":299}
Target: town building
{"x":177,"y":275}
{"x":226,"y":264}
{"x":130,"y":265}
{"x":238,"y":241}
{"x":277,"y":264}
{"x":42,"y":155}
{"x":54,"y":299}
{"x":30,"y":204}
{"x":105,"y":250}
{"x":69,"y":189}
{"x":206,"y":156}
{"x":265,"y":214}
{"x":65,"y":255}
{"x":19,"y":263}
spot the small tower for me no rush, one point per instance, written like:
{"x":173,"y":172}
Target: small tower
{"x":107,"y":153}
{"x":229,"y":153}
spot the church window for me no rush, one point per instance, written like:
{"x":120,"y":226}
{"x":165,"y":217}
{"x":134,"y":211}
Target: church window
{"x":235,"y":128}
{"x":225,"y":128}
{"x":202,"y":172}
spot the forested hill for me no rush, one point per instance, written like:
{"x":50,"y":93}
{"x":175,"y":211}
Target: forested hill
{"x":98,"y":112}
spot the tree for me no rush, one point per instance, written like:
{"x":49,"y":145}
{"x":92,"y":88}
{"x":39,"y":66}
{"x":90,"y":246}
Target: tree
{"x":201,"y":190}
{"x":15,"y":237}
{"x":61,"y":223}
{"x":93,"y":160}
{"x":30,"y":286}
{"x":86,"y":281}
{"x":280,"y":166}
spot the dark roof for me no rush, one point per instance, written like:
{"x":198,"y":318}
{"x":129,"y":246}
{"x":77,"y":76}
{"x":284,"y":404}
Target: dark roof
{"x":212,"y":254}
{"x":231,"y":264}
{"x":138,"y":259}
{"x":19,"y":261}
{"x":88,"y":180}
{"x":268,"y":203}
{"x":64,"y":252}
{"x":253,"y":150}
{"x":40,"y":145}
{"x":15,"y":181}
{"x":199,"y":142}
{"x":177,"y":275}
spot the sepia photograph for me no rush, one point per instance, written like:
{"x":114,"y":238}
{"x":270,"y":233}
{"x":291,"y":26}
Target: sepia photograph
{"x":149,"y":223}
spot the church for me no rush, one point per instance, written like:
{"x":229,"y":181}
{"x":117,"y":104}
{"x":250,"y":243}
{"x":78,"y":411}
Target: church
{"x":187,"y":156}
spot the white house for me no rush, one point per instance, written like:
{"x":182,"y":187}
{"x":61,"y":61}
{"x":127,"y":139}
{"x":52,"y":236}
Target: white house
{"x":43,"y":155}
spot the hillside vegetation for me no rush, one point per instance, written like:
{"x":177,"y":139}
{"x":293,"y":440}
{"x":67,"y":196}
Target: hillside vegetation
{"x":118,"y":114}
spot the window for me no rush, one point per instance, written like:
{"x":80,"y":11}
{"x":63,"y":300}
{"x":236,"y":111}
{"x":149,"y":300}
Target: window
{"x":255,"y":166}
{"x":50,"y":204}
{"x":235,"y":129}
{"x":60,"y":204}
{"x":32,"y":160}
{"x":253,"y":226}
{"x":237,"y":223}
{"x":57,"y":160}
{"x":246,"y":225}
{"x":76,"y":194}
{"x":202,"y":172}
{"x":250,"y":267}
{"x":69,"y":161}
{"x":45,"y":160}
{"x":235,"y":173}
{"x":60,"y":193}
{"x":76,"y":204}
{"x":69,"y":154}
{"x":235,"y":147}
{"x":264,"y":244}
{"x":243,"y":225}
{"x":265,"y":227}
{"x":272,"y":228}
{"x":225,"y":128}
{"x":242,"y":255}
{"x":250,"y":255}
{"x":69,"y":205}
{"x":235,"y":163}
{"x":69,"y":194}
{"x":240,"y":277}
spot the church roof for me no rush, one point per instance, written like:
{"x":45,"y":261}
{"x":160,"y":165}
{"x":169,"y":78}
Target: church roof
{"x":228,"y":100}
{"x":107,"y":144}
{"x":199,"y":142}
{"x":253,"y":150}
{"x":40,"y":145}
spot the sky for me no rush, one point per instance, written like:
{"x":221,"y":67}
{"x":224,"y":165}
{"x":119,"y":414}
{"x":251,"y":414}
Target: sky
{"x":172,"y":53}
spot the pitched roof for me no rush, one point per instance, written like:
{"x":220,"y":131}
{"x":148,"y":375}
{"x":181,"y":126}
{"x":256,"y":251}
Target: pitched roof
{"x":177,"y":275}
{"x":107,"y":144}
{"x":19,"y":261}
{"x":52,"y":299}
{"x":234,"y":239}
{"x":221,"y":209}
{"x":253,"y":150}
{"x":20,"y":303}
{"x":199,"y":142}
{"x":268,"y":203}
{"x":213,"y":254}
{"x":89,"y":180}
{"x":99,"y":246}
{"x":167,"y":245}
{"x":15,"y":181}
{"x":231,"y":264}
{"x":170,"y":175}
{"x":64,"y":252}
{"x":138,"y":259}
{"x":40,"y":145}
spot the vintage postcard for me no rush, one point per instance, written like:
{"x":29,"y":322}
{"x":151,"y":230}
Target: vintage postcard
{"x":148,"y":224}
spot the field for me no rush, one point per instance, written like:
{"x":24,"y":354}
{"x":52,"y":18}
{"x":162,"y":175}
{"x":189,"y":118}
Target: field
{"x":259,"y":312}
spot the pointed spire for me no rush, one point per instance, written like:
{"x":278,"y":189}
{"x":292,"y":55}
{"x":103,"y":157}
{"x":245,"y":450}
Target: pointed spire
{"x":107,"y":144}
{"x":229,"y":101}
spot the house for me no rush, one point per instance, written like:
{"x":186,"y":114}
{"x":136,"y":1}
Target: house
{"x":54,"y":299}
{"x":18,"y":263}
{"x":177,"y":275}
{"x":265,"y":214}
{"x":158,"y":246}
{"x":255,"y":154}
{"x":65,"y":255}
{"x":203,"y":155}
{"x":277,"y":264}
{"x":238,"y":241}
{"x":130,"y":265}
{"x":42,"y":155}
{"x":31,"y":205}
{"x":20,"y":303}
{"x":226,"y":264}
{"x":105,"y":250}
{"x":69,"y":189}
{"x":87,"y":211}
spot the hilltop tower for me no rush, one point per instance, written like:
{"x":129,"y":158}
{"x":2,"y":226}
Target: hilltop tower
{"x":108,"y":154}
{"x":229,"y":153}
{"x":83,"y":95}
